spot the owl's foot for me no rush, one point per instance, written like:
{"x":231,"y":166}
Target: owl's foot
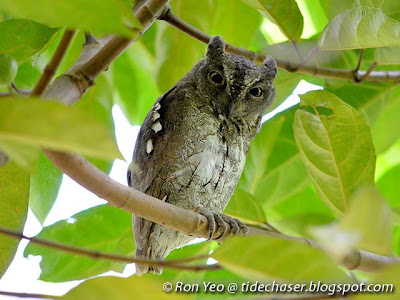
{"x":218,"y":224}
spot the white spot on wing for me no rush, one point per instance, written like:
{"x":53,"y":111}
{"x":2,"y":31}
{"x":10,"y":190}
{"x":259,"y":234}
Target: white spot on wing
{"x":155,"y":116}
{"x":149,"y":146}
{"x":157,"y":106}
{"x":156,"y":127}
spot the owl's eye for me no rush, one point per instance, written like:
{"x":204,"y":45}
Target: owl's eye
{"x":256,"y":92}
{"x":216,"y":77}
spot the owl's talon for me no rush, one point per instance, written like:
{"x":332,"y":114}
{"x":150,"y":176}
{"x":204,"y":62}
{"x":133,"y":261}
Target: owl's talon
{"x":233,"y":223}
{"x":221,"y":224}
{"x":243,"y":228}
{"x":210,"y":218}
{"x":218,"y":222}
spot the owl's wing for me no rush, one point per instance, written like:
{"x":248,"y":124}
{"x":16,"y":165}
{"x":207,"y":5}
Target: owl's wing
{"x":148,"y":166}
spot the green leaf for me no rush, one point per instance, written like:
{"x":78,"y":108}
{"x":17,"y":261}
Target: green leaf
{"x":336,"y":147}
{"x":14,"y":194}
{"x":377,"y":103}
{"x":97,"y":104}
{"x":359,"y":28}
{"x":106,"y":16}
{"x":245,"y":207}
{"x":285,"y":14}
{"x":25,"y":155}
{"x":274,"y":164}
{"x":287,"y":260}
{"x":24,"y":38}
{"x":64,"y":128}
{"x":387,"y":55}
{"x":110,"y":288}
{"x":27,"y":76}
{"x":366,"y":225}
{"x":102,"y":228}
{"x":45,"y":183}
{"x":333,"y":8}
{"x":134,"y":82}
{"x":231,"y":26}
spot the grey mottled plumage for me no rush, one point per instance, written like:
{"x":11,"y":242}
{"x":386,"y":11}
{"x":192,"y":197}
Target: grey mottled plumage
{"x":192,"y":146}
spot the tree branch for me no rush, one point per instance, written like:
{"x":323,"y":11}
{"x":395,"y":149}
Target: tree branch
{"x":174,"y":264}
{"x":343,"y":74}
{"x":97,"y":56}
{"x":189,"y":222}
{"x":28,"y":295}
{"x":54,"y":63}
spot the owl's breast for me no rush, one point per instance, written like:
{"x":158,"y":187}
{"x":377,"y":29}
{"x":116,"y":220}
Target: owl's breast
{"x":210,"y":171}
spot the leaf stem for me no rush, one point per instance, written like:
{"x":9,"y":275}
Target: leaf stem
{"x":297,"y":50}
{"x":360,"y":57}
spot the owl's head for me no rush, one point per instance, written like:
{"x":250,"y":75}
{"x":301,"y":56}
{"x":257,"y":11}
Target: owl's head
{"x":235,"y":86}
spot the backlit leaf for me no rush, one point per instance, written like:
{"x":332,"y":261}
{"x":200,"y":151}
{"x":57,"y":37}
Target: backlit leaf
{"x":336,"y":147}
{"x":359,"y":28}
{"x":14,"y":195}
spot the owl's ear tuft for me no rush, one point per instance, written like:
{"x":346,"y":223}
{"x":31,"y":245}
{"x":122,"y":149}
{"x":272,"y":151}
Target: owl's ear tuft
{"x":216,"y":47}
{"x":270,"y":64}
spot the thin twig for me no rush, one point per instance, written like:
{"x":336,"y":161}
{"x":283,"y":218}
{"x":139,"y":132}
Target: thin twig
{"x":368,"y":73}
{"x":360,"y":57}
{"x":14,"y":90}
{"x":174,"y":264}
{"x":28,"y":295}
{"x":303,"y":63}
{"x":54,"y":63}
{"x":22,"y":93}
{"x":297,"y":50}
{"x":312,"y":297}
{"x":343,"y":74}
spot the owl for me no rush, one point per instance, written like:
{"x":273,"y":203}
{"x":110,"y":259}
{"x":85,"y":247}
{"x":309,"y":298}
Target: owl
{"x":192,"y":146}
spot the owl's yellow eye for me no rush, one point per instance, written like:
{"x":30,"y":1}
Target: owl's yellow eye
{"x":256,"y":92}
{"x":216,"y":77}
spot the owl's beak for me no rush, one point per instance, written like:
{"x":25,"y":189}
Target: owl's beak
{"x":231,"y":108}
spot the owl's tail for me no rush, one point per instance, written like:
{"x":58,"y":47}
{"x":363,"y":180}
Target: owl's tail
{"x":144,"y":268}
